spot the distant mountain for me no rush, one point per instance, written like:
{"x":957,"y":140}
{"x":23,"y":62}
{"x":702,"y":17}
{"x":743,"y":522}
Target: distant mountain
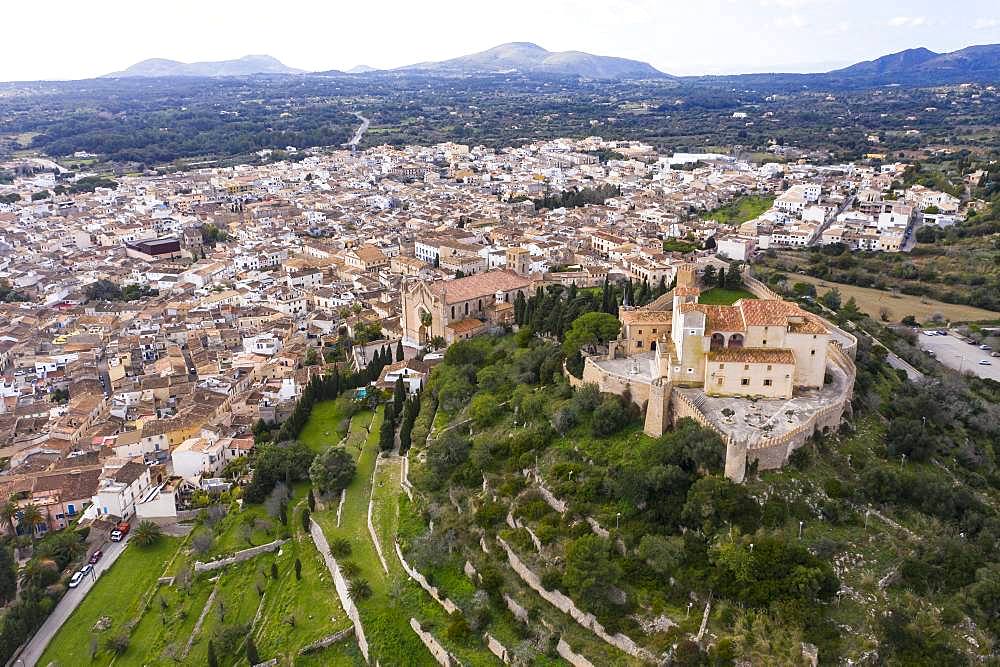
{"x":361,"y":69}
{"x":240,"y":67}
{"x":528,"y":58}
{"x":891,"y":64}
{"x":925,"y":66}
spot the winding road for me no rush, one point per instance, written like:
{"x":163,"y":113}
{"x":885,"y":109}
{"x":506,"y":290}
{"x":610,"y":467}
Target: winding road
{"x":358,"y":133}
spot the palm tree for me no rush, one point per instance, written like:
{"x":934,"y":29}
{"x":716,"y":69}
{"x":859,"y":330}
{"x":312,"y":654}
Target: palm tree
{"x":425,"y":319}
{"x":147,"y":533}
{"x":31,"y":518}
{"x":8,"y":514}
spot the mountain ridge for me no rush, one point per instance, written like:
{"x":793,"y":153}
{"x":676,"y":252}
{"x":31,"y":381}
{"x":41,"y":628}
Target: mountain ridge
{"x":530,"y":58}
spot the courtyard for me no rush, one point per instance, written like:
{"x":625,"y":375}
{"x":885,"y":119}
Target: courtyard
{"x":752,"y":420}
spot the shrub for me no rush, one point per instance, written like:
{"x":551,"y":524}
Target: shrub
{"x":117,"y":644}
{"x":609,"y":417}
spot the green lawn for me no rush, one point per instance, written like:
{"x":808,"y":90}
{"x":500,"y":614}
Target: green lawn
{"x":719,"y":296}
{"x":118,"y":594}
{"x":739,"y":211}
{"x":323,"y":428}
{"x":293,"y":613}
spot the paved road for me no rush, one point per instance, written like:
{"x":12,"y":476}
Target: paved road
{"x":74,"y":596}
{"x":358,"y":133}
{"x":952,"y":352}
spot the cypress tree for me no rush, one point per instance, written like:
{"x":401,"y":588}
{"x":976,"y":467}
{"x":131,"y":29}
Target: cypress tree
{"x":213,"y":661}
{"x":252,"y":657}
{"x":606,"y":297}
{"x":399,"y":350}
{"x":398,"y":396}
{"x":720,"y":279}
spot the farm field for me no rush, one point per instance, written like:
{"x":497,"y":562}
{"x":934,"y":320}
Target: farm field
{"x":871,"y":301}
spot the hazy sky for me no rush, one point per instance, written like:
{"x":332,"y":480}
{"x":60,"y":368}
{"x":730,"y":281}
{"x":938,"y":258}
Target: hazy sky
{"x":69,"y":39}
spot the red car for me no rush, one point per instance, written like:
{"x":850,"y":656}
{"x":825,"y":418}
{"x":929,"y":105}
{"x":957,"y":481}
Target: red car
{"x":96,"y":556}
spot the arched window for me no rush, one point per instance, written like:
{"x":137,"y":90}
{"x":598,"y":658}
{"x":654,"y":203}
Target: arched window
{"x":718,"y":341}
{"x":736,"y":341}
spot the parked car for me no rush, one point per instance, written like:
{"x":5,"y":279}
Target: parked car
{"x":96,"y":556}
{"x":985,"y":347}
{"x":120,"y":531}
{"x":79,"y":575}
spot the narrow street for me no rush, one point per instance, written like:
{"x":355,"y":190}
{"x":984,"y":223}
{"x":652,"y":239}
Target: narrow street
{"x":74,"y":596}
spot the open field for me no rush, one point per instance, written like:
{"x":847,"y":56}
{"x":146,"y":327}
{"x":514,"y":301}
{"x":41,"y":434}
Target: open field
{"x":739,"y":211}
{"x":719,"y":296}
{"x":871,"y":302}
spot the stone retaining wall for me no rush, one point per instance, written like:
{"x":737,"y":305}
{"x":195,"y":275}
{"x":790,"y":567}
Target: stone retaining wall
{"x":563,"y":603}
{"x":496,"y":648}
{"x":439,"y":652}
{"x":371,"y":528}
{"x":567,"y":654}
{"x":238,"y":557}
{"x":327,"y":641}
{"x":343,"y":592}
{"x":448,"y":605}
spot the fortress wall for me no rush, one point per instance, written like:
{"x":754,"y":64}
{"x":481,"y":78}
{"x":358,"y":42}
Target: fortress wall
{"x":611,"y":384}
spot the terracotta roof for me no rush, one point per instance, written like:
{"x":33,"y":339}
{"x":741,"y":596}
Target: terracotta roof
{"x":466,"y":326}
{"x":753,"y":355}
{"x":70,"y":485}
{"x":762,"y":313}
{"x":717,"y":318}
{"x":369,"y":254}
{"x":479,"y":285}
{"x":129,"y":472}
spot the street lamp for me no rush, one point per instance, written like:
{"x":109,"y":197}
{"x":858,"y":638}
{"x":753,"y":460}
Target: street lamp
{"x":618,"y":517}
{"x":801,"y":523}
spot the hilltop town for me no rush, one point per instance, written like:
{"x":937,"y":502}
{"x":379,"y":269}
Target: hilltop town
{"x":157,"y":318}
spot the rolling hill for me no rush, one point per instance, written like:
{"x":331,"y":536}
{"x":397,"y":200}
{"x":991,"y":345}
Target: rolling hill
{"x":159,"y":67}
